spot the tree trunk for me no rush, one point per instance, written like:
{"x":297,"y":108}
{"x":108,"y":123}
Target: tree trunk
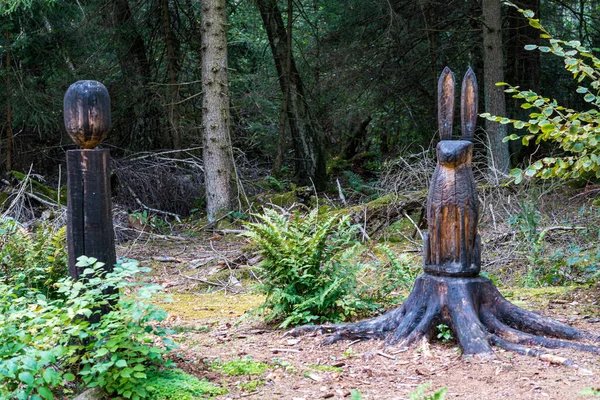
{"x":278,"y":162}
{"x":217,"y":153}
{"x":173,"y":69}
{"x":493,"y":72}
{"x":308,"y":146}
{"x":9,"y":130}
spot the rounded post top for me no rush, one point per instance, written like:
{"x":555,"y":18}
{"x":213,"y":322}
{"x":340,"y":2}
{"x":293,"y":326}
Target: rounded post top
{"x":87,"y":113}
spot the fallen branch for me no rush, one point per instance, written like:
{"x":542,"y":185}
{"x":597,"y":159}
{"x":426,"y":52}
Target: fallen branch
{"x":154,"y":210}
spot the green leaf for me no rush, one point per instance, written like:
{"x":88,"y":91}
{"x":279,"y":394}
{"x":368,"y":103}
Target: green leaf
{"x":530,"y":47}
{"x":69,"y":377}
{"x":571,"y":61}
{"x":102,"y":351}
{"x":582,"y":89}
{"x":535,"y":23}
{"x":519,"y":124}
{"x":121,"y":364}
{"x":530,"y":171}
{"x":26,"y":377}
{"x":45,"y":393}
{"x":547,"y":128}
{"x":544,"y":49}
{"x":526,"y":106}
{"x":589,"y":97}
{"x":50,"y":375}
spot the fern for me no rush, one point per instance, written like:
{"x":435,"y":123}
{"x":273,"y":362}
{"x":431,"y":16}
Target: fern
{"x":32,"y":260}
{"x":307,"y":279}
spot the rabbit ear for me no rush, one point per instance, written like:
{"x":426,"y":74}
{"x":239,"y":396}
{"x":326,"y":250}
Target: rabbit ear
{"x":468,"y":105}
{"x":445,"y":103}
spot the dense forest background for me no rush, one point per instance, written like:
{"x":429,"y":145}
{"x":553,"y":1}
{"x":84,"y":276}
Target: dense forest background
{"x":367,"y":71}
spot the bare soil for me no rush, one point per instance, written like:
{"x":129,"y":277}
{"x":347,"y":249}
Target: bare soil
{"x":215,"y":325}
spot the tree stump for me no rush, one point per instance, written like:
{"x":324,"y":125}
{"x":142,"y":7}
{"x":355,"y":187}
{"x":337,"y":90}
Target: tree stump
{"x":450,"y":291}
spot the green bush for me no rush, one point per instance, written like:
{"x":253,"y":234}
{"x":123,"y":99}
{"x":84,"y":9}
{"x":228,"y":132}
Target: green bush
{"x":35,"y":260}
{"x":50,"y":346}
{"x":577,"y":133}
{"x":310,"y":268}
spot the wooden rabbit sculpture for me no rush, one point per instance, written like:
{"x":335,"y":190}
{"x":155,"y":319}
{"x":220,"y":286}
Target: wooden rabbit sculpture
{"x":452,"y":246}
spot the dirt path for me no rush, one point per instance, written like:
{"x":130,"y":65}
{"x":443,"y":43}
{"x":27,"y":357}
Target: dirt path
{"x":209,"y":329}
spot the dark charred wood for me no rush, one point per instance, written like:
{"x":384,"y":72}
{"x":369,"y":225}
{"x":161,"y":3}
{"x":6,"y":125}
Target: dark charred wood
{"x":87,"y":113}
{"x":473,"y":308}
{"x":89,"y":213}
{"x":450,"y":291}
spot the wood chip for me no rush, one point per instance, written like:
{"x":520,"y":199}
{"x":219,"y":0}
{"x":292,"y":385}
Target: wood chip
{"x":166,"y":259}
{"x":382,"y":354}
{"x":314,"y":377}
{"x":285,"y":351}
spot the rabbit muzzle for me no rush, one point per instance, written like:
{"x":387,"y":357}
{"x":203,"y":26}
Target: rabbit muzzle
{"x":453,"y":153}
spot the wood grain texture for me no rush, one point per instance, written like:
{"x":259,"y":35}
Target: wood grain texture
{"x":89,"y":212}
{"x":87,"y":113}
{"x":452,"y":246}
{"x":445,"y":103}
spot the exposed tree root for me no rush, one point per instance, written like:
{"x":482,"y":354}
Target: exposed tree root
{"x":475,"y":311}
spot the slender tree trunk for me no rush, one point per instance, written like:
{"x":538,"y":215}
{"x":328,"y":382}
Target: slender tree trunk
{"x":217,"y":153}
{"x":278,"y":162}
{"x":493,"y":72}
{"x":308,"y":146}
{"x":173,"y":69}
{"x":9,"y":130}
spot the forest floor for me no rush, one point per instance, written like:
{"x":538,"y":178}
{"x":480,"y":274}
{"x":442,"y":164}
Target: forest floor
{"x":212,"y":326}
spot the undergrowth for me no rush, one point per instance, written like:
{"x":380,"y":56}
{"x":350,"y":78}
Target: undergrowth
{"x":311,"y":267}
{"x":177,"y":385}
{"x":51,"y":347}
{"x":35,"y":260}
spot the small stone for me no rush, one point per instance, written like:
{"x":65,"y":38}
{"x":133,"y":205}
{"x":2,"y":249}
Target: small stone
{"x":91,"y":394}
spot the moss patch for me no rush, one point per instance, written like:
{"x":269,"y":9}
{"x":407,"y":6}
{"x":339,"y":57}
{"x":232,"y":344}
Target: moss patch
{"x":211,"y":305}
{"x":536,"y":297}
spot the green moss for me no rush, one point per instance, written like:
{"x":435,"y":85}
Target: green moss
{"x":210,"y":305}
{"x":336,"y":165}
{"x":41,"y":190}
{"x":535,"y":297}
{"x":3,"y":198}
{"x":252,"y":385}
{"x":177,"y":385}
{"x":325,"y":368}
{"x":284,"y":199}
{"x":240,"y":366}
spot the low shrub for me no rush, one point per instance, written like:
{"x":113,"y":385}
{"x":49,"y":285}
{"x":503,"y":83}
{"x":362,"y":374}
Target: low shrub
{"x":49,"y":346}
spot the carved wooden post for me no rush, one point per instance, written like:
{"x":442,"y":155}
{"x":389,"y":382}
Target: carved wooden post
{"x":89,"y":212}
{"x":450,"y":291}
{"x":452,"y":246}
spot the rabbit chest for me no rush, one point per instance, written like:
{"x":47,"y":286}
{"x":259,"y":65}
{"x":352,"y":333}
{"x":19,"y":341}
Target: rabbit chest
{"x":452,"y":243}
